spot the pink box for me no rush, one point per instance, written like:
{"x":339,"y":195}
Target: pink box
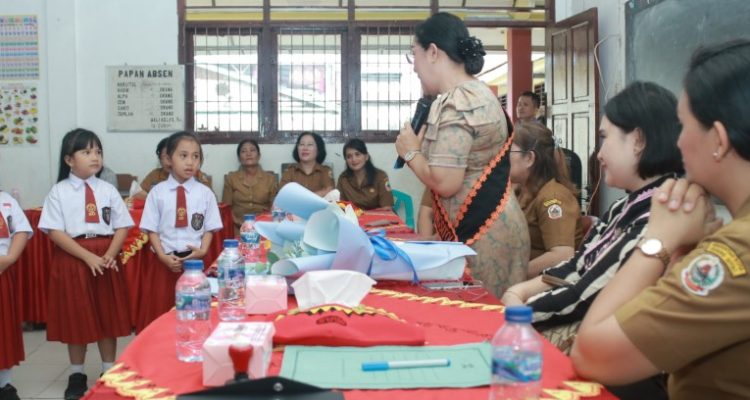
{"x":217,"y":365}
{"x":265,"y":294}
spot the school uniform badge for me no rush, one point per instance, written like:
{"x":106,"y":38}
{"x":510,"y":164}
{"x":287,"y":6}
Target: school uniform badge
{"x":554,"y":211}
{"x":197,"y":221}
{"x":106,"y":214}
{"x":705,"y":273}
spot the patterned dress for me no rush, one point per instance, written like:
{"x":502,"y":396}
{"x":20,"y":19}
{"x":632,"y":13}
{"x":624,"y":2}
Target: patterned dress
{"x":466,"y":129}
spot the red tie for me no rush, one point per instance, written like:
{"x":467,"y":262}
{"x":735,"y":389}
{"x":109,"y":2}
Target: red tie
{"x":92,"y":215}
{"x":4,"y":233}
{"x":181,"y":215}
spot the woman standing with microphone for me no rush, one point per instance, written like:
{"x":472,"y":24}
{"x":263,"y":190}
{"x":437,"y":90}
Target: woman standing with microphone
{"x":462,"y":154}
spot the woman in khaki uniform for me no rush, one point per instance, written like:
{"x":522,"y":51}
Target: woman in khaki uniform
{"x":690,"y":317}
{"x":250,"y":190}
{"x":546,"y":195}
{"x":363,"y":184}
{"x":309,"y":152}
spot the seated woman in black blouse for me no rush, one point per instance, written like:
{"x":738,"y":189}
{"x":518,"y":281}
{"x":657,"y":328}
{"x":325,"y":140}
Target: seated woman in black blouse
{"x":638,"y":153}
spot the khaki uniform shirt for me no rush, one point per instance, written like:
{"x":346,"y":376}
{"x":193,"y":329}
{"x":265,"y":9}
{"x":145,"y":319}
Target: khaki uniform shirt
{"x":554,"y":218}
{"x":159,"y":175}
{"x":695,"y":322}
{"x":320,"y":178}
{"x":368,"y":197}
{"x":248,"y":194}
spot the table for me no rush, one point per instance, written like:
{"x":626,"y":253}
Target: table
{"x":149,"y":367}
{"x":32,"y":268}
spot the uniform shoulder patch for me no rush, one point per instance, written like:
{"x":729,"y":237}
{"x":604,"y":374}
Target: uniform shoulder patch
{"x":551,"y":202}
{"x":729,"y":257}
{"x":705,"y":273}
{"x":554,"y":211}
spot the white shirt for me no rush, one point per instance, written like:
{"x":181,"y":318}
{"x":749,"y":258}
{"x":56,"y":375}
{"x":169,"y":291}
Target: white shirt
{"x":64,"y":208}
{"x":14,"y":218}
{"x":159,"y":214}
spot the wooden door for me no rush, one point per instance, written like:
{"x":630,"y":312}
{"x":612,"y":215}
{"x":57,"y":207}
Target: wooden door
{"x":573,"y":94}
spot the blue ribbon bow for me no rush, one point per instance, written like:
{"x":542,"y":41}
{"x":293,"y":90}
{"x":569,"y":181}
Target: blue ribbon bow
{"x":386,"y":250}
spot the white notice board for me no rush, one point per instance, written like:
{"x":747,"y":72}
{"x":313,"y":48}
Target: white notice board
{"x":146,"y":98}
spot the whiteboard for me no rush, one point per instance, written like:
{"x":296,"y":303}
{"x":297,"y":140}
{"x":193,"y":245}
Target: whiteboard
{"x":146,"y":98}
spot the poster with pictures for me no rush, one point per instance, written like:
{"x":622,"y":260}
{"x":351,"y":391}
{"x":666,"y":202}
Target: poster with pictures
{"x":19,"y":47}
{"x":19,"y":114}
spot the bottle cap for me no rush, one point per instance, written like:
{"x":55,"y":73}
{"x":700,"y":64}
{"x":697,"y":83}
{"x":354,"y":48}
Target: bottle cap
{"x":231,"y":243}
{"x":518,"y":314}
{"x":193,"y":264}
{"x":249,"y":217}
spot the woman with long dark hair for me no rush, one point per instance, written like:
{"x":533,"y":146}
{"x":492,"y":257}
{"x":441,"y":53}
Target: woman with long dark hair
{"x":361,"y":183}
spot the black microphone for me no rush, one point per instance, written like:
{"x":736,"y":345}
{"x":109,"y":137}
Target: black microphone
{"x":419,"y":118}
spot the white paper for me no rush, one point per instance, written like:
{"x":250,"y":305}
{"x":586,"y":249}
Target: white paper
{"x":317,"y":288}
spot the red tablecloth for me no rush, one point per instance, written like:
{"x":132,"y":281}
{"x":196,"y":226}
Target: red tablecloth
{"x":32,"y":268}
{"x":149,"y":367}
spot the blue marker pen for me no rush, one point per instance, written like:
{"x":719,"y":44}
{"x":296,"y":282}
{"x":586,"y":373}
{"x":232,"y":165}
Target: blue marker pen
{"x":386,"y":365}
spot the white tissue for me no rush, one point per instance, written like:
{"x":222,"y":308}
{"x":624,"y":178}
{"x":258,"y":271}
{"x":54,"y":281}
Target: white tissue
{"x":316,"y":288}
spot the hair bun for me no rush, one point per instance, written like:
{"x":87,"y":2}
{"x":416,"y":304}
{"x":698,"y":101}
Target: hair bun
{"x":470,"y":48}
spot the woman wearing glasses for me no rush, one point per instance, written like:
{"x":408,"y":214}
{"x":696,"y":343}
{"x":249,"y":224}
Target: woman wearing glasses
{"x":462,"y":154}
{"x":310,"y":152}
{"x":546,"y":195}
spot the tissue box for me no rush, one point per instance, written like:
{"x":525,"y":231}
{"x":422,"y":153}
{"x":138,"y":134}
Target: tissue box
{"x":265,"y":294}
{"x":217,"y":365}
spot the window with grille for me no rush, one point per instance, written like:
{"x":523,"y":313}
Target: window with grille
{"x":389,"y":86}
{"x":309,"y":82}
{"x":225,"y":80}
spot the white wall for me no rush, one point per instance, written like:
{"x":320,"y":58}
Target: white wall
{"x":78,"y":39}
{"x":611,"y":55}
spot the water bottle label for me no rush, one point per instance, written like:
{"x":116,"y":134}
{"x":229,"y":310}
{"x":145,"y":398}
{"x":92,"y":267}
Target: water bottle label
{"x":250,"y":237}
{"x":192,"y":301}
{"x":517,"y":367}
{"x":233,"y":272}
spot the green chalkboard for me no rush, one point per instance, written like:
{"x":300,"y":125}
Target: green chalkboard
{"x":662,"y":35}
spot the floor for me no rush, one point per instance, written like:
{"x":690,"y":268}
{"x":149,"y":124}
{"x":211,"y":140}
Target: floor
{"x":44,"y":373}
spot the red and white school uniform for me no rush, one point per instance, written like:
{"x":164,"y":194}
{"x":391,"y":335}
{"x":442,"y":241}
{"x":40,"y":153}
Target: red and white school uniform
{"x":198,"y":214}
{"x":83,"y":308}
{"x":12,"y":221}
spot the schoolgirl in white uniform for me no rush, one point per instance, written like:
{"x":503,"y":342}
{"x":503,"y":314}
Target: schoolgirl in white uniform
{"x":180,"y":217}
{"x":15,"y":231}
{"x":87,"y":220}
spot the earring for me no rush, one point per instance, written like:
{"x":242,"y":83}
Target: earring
{"x":716,"y":154}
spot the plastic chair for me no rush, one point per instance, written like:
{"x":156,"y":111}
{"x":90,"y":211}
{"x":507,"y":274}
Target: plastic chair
{"x":402,"y":199}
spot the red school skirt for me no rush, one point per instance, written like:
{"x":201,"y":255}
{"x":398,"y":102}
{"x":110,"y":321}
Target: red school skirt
{"x":11,"y":334}
{"x":157,"y":288}
{"x":83,"y":308}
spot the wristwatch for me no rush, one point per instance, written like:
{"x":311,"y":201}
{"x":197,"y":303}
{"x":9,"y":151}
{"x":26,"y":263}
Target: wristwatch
{"x":652,"y":247}
{"x":410,"y":155}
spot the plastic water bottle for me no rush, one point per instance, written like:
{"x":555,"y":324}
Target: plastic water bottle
{"x":231,"y":283}
{"x":516,"y":358}
{"x":193,"y":304}
{"x":250,"y":247}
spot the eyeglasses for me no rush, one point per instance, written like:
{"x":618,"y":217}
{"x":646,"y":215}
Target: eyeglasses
{"x":409,"y":57}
